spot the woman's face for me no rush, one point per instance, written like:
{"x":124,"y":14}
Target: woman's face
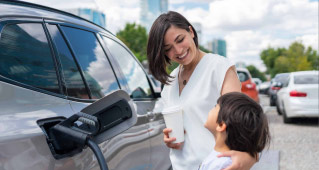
{"x":179,"y":45}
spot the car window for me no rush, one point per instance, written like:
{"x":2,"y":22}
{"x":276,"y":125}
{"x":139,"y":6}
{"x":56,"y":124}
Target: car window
{"x":71,"y":74}
{"x":134,"y":74}
{"x":93,"y":61}
{"x":26,"y":57}
{"x":286,"y":83}
{"x":242,"y":76}
{"x":306,"y":79}
{"x":281,"y":78}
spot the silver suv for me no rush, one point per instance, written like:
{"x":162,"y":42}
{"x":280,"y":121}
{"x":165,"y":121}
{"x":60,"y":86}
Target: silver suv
{"x":54,"y":64}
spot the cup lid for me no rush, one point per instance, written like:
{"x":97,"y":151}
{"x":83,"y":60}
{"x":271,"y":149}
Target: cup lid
{"x":171,"y":109}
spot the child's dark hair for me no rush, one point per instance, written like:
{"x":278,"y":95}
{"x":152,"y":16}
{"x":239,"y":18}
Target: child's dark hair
{"x":246,"y":124}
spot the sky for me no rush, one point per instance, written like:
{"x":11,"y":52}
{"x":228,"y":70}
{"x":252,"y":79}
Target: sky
{"x":248,"y":26}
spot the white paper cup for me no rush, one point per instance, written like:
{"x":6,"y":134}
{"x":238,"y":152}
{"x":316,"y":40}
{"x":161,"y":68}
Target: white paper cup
{"x":173,"y":117}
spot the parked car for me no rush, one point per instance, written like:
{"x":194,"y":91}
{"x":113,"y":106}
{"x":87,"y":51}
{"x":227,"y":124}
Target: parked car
{"x":264,"y":87}
{"x":258,"y":82}
{"x":247,"y":85}
{"x":275,"y":86}
{"x":299,"y":96}
{"x":54,"y":64}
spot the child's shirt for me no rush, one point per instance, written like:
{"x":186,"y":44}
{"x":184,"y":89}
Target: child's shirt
{"x":212,"y":162}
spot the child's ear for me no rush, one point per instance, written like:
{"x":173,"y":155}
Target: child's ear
{"x":221,"y":127}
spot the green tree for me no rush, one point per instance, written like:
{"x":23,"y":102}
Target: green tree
{"x":204,"y":49}
{"x":295,"y":58}
{"x":269,"y":56}
{"x":255,"y":73}
{"x":134,"y":36}
{"x":313,"y":58}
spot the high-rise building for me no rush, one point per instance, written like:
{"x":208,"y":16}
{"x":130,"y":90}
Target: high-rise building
{"x":150,"y":10}
{"x":90,"y":14}
{"x":219,"y":47}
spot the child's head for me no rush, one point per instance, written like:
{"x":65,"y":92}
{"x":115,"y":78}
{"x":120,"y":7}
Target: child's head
{"x":242,"y":120}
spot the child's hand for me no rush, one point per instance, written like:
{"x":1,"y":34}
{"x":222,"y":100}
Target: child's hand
{"x":168,"y":141}
{"x":240,"y":160}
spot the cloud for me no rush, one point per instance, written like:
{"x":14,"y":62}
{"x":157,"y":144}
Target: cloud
{"x":118,"y":13}
{"x":249,"y":26}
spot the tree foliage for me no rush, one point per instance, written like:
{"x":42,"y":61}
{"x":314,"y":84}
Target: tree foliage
{"x":255,"y":73}
{"x":204,"y":49}
{"x":295,"y":58}
{"x":134,"y":36}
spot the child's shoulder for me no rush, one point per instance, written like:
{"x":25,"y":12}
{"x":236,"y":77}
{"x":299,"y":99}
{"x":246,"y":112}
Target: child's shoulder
{"x":212,"y":162}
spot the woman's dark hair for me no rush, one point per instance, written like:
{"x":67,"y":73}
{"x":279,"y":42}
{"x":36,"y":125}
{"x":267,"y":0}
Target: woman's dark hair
{"x":155,"y":45}
{"x":246,"y":124}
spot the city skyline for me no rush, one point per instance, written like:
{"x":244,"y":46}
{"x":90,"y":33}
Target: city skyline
{"x":248,"y":26}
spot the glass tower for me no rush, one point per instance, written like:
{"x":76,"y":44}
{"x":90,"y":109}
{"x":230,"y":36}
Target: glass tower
{"x":90,"y":14}
{"x":219,"y":47}
{"x":150,"y":10}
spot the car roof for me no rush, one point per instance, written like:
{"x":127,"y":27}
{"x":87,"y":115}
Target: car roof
{"x":242,"y":69}
{"x":305,"y":72}
{"x":281,"y":74}
{"x":26,"y":9}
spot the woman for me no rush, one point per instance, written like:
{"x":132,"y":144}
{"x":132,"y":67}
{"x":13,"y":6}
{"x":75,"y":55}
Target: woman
{"x":199,"y":79}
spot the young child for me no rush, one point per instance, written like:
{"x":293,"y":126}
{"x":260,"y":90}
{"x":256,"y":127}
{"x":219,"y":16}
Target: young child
{"x":237,"y":123}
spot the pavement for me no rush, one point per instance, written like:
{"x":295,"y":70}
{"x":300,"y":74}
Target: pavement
{"x":269,"y":160}
{"x":293,"y":146}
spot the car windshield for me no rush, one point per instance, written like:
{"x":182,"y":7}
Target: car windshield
{"x":306,"y":79}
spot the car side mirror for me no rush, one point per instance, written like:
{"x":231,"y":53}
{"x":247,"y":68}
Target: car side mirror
{"x":97,"y":122}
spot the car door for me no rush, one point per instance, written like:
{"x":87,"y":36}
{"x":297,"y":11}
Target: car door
{"x":30,"y":89}
{"x":94,"y":79}
{"x":135,"y":81}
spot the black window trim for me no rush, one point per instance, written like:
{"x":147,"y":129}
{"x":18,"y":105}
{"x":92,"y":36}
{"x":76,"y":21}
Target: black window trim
{"x":122,"y":74}
{"x":60,"y":68}
{"x":76,"y":61}
{"x":26,"y":20}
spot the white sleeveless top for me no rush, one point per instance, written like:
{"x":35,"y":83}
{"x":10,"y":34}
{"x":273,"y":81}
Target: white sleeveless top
{"x":198,"y":97}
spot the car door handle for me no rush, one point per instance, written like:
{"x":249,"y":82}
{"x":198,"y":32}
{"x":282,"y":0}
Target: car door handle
{"x":152,"y":115}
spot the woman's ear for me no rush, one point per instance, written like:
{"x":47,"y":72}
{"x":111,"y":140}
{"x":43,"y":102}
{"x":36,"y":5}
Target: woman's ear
{"x":191,"y":31}
{"x":221,"y":127}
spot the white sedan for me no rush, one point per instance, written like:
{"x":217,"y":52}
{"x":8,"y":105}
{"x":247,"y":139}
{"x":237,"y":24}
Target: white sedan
{"x":299,"y":96}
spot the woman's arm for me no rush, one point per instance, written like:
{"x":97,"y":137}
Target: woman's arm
{"x":231,"y":82}
{"x":240,"y":160}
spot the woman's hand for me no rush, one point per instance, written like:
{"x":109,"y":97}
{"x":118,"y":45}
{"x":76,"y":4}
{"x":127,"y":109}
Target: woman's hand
{"x":240,"y":160}
{"x":168,"y":141}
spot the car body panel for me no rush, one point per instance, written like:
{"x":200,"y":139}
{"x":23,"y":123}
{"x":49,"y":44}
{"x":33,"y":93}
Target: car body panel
{"x":299,"y":106}
{"x":247,"y":85}
{"x":279,"y":78}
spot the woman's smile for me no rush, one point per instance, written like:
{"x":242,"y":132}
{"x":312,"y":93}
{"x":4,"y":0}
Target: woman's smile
{"x":183,"y":56}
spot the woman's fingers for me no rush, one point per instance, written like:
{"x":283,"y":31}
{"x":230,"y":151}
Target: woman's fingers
{"x":175,"y":145}
{"x":240,"y":160}
{"x":166,"y":131}
{"x":168,"y":141}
